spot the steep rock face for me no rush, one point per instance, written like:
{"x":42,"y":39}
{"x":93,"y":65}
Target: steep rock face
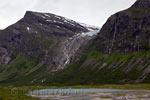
{"x":69,"y":50}
{"x":4,"y":56}
{"x":37,"y":32}
{"x":142,"y":4}
{"x":52,"y":24}
{"x":122,"y":46}
{"x":119,"y":53}
{"x":40,"y":40}
{"x":126,"y":31}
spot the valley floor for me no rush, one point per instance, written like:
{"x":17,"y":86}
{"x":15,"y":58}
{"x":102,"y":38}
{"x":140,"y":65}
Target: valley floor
{"x":20,"y":93}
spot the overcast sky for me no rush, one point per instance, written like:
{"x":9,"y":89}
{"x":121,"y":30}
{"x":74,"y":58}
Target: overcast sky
{"x":94,"y":12}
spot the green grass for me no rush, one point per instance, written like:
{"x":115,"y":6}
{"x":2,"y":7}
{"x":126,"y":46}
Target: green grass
{"x":15,"y":93}
{"x":85,"y":75}
{"x":120,"y":95}
{"x":19,"y":93}
{"x":96,"y":55}
{"x":19,"y":65}
{"x":105,"y":97}
{"x":140,"y":95}
{"x":115,"y":86}
{"x":79,"y":73}
{"x":115,"y":57}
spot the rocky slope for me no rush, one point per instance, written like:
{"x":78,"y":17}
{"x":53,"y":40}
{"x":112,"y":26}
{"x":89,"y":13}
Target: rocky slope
{"x":41,"y":40}
{"x":118,"y":54}
{"x":126,"y":31}
{"x":121,"y":49}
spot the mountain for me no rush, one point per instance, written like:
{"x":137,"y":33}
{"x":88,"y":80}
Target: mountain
{"x":41,"y":41}
{"x":123,"y":44}
{"x":127,"y":31}
{"x":118,"y":54}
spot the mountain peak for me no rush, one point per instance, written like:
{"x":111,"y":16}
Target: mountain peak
{"x":47,"y":17}
{"x":54,"y":24}
{"x":29,"y":13}
{"x":38,"y":14}
{"x":51,"y":20}
{"x":142,"y":4}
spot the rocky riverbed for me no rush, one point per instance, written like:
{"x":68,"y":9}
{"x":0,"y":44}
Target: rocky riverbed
{"x":90,"y":94}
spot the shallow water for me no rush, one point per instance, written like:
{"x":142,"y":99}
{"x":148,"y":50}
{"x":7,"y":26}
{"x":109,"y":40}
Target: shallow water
{"x":90,"y":94}
{"x":74,"y":90}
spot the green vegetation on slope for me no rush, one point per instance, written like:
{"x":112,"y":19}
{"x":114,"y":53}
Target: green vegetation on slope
{"x":109,"y":70}
{"x":102,"y":70}
{"x":19,"y":66}
{"x":16,"y":93}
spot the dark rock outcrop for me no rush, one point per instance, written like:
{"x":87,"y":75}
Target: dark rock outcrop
{"x":126,"y":31}
{"x":52,"y":24}
{"x":41,"y":40}
{"x":34,"y":34}
{"x":123,"y":46}
{"x":142,"y":4}
{"x":4,"y":56}
{"x":119,"y":53}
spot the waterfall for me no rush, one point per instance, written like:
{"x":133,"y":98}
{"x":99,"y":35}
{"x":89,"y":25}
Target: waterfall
{"x":113,"y":40}
{"x":72,"y":45}
{"x":68,"y":52}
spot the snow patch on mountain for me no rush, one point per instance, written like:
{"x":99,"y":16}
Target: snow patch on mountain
{"x":47,"y":15}
{"x":90,"y":27}
{"x":28,"y":28}
{"x":91,"y":33}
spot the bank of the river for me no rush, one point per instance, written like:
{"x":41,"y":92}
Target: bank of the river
{"x":19,"y":92}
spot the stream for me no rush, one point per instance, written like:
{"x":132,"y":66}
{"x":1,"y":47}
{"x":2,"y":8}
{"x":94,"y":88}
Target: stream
{"x":90,"y":94}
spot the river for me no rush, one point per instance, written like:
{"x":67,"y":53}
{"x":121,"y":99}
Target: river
{"x":90,"y":94}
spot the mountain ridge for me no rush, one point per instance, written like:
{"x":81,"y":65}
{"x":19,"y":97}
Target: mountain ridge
{"x":40,"y":40}
{"x":142,"y":4}
{"x":118,"y":54}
